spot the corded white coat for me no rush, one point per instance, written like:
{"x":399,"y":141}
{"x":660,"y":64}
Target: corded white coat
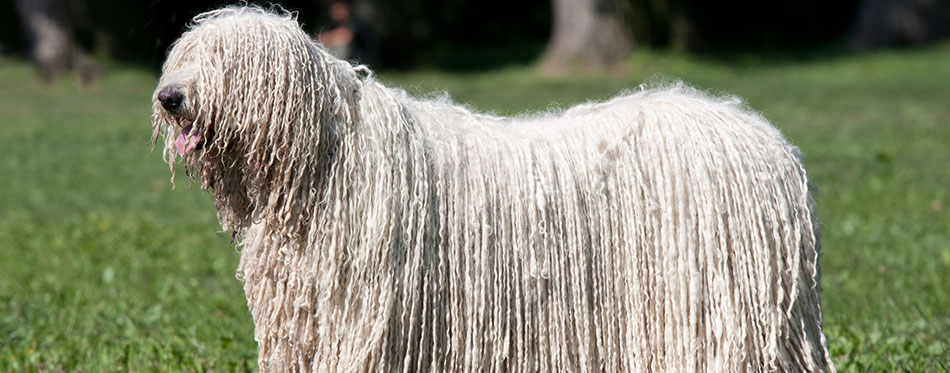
{"x":662,"y":230}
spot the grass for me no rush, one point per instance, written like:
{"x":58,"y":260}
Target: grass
{"x":104,"y":267}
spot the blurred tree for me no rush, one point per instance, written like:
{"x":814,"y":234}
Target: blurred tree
{"x":10,"y":39}
{"x":461,"y":35}
{"x":399,"y":28}
{"x":662,"y":23}
{"x":49,"y":26}
{"x":465,"y":35}
{"x":708,"y":26}
{"x":884,"y":23}
{"x":589,"y":33}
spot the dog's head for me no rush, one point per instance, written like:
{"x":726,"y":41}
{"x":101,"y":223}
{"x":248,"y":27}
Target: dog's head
{"x":249,"y":103}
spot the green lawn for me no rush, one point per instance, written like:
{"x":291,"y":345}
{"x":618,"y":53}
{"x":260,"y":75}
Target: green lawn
{"x":104,"y":267}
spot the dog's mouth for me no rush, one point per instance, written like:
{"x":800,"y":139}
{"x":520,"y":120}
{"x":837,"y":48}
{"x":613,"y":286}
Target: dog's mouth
{"x":191,"y":137}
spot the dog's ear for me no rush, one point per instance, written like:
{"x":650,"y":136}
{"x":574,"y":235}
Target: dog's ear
{"x":352,"y":85}
{"x":363,"y":72}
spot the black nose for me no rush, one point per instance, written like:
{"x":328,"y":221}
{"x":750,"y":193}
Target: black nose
{"x":171,"y":99}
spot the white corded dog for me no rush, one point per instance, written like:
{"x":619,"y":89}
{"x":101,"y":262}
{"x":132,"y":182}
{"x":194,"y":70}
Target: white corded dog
{"x":663,"y":230}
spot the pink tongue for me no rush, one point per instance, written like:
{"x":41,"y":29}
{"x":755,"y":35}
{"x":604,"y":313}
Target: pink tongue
{"x":187,"y":141}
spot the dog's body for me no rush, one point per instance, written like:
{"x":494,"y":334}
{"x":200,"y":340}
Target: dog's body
{"x":661,"y":230}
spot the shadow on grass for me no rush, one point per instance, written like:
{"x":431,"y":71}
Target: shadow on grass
{"x":463,"y":59}
{"x":774,"y":56}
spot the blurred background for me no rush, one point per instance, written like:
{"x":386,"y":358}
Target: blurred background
{"x":459,"y":34}
{"x":466,"y":35}
{"x":103,"y":266}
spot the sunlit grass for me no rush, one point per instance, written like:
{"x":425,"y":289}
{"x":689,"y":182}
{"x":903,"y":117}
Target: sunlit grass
{"x":104,"y":267}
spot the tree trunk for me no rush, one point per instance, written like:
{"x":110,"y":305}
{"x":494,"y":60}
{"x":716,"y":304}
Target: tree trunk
{"x":53,"y":49}
{"x":890,"y":23}
{"x":587,"y":34}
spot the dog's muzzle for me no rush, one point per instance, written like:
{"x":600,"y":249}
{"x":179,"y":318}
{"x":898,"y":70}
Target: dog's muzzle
{"x":171,"y":99}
